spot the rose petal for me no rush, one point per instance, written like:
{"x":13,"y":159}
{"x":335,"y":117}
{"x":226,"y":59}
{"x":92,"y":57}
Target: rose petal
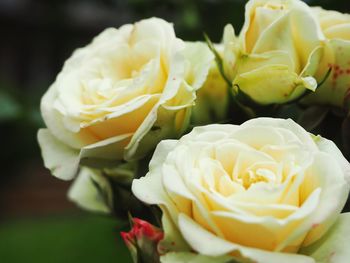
{"x":207,"y":244}
{"x":272,"y":78}
{"x":60,"y":159}
{"x":335,"y":190}
{"x":110,"y":149}
{"x":334,"y":245}
{"x":289,"y":125}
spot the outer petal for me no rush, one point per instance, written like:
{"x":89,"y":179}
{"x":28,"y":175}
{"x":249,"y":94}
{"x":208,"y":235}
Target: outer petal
{"x":313,"y":62}
{"x":251,"y":70}
{"x":155,"y":28}
{"x":334,"y":245}
{"x":288,"y":124}
{"x":91,"y":191}
{"x":211,"y":132}
{"x":109,"y":149}
{"x":251,"y":62}
{"x":308,"y":33}
{"x":231,"y":51}
{"x":187,"y":257}
{"x":159,"y":124}
{"x":62,"y":160}
{"x":207,"y":244}
{"x":335,"y":188}
{"x":149,"y":188}
{"x":54,"y":122}
{"x":264,"y":84}
{"x":329,"y":147}
{"x":332,"y":199}
{"x":161,"y":152}
{"x":200,"y":58}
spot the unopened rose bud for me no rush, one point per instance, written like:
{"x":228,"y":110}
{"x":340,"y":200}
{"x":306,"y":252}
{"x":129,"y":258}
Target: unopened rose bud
{"x":142,"y":241}
{"x":275,"y":56}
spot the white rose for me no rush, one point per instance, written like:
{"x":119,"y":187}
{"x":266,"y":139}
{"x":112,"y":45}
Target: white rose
{"x":119,"y":96}
{"x":259,"y":192}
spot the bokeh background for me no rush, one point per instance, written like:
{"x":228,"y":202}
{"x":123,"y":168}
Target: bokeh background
{"x":37,"y":222}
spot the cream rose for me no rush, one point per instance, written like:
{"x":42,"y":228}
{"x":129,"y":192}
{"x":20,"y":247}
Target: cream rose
{"x":258,"y":192}
{"x":119,"y":96}
{"x":276,"y":54}
{"x":335,"y":90}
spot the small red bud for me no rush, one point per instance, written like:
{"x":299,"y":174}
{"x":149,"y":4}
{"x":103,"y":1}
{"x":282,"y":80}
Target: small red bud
{"x":143,"y":238}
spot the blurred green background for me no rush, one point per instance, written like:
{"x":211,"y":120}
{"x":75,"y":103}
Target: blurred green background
{"x":37,"y":223}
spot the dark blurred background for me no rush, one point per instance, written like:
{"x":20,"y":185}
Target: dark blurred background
{"x":37,"y":222}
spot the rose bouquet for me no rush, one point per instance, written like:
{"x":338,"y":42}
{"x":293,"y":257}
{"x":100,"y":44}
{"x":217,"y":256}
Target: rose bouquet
{"x":208,"y":147}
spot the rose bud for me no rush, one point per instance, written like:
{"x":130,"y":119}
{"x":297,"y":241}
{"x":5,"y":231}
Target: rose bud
{"x":142,"y":241}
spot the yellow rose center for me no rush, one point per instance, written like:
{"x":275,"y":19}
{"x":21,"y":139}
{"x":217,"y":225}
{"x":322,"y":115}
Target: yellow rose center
{"x":261,"y":175}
